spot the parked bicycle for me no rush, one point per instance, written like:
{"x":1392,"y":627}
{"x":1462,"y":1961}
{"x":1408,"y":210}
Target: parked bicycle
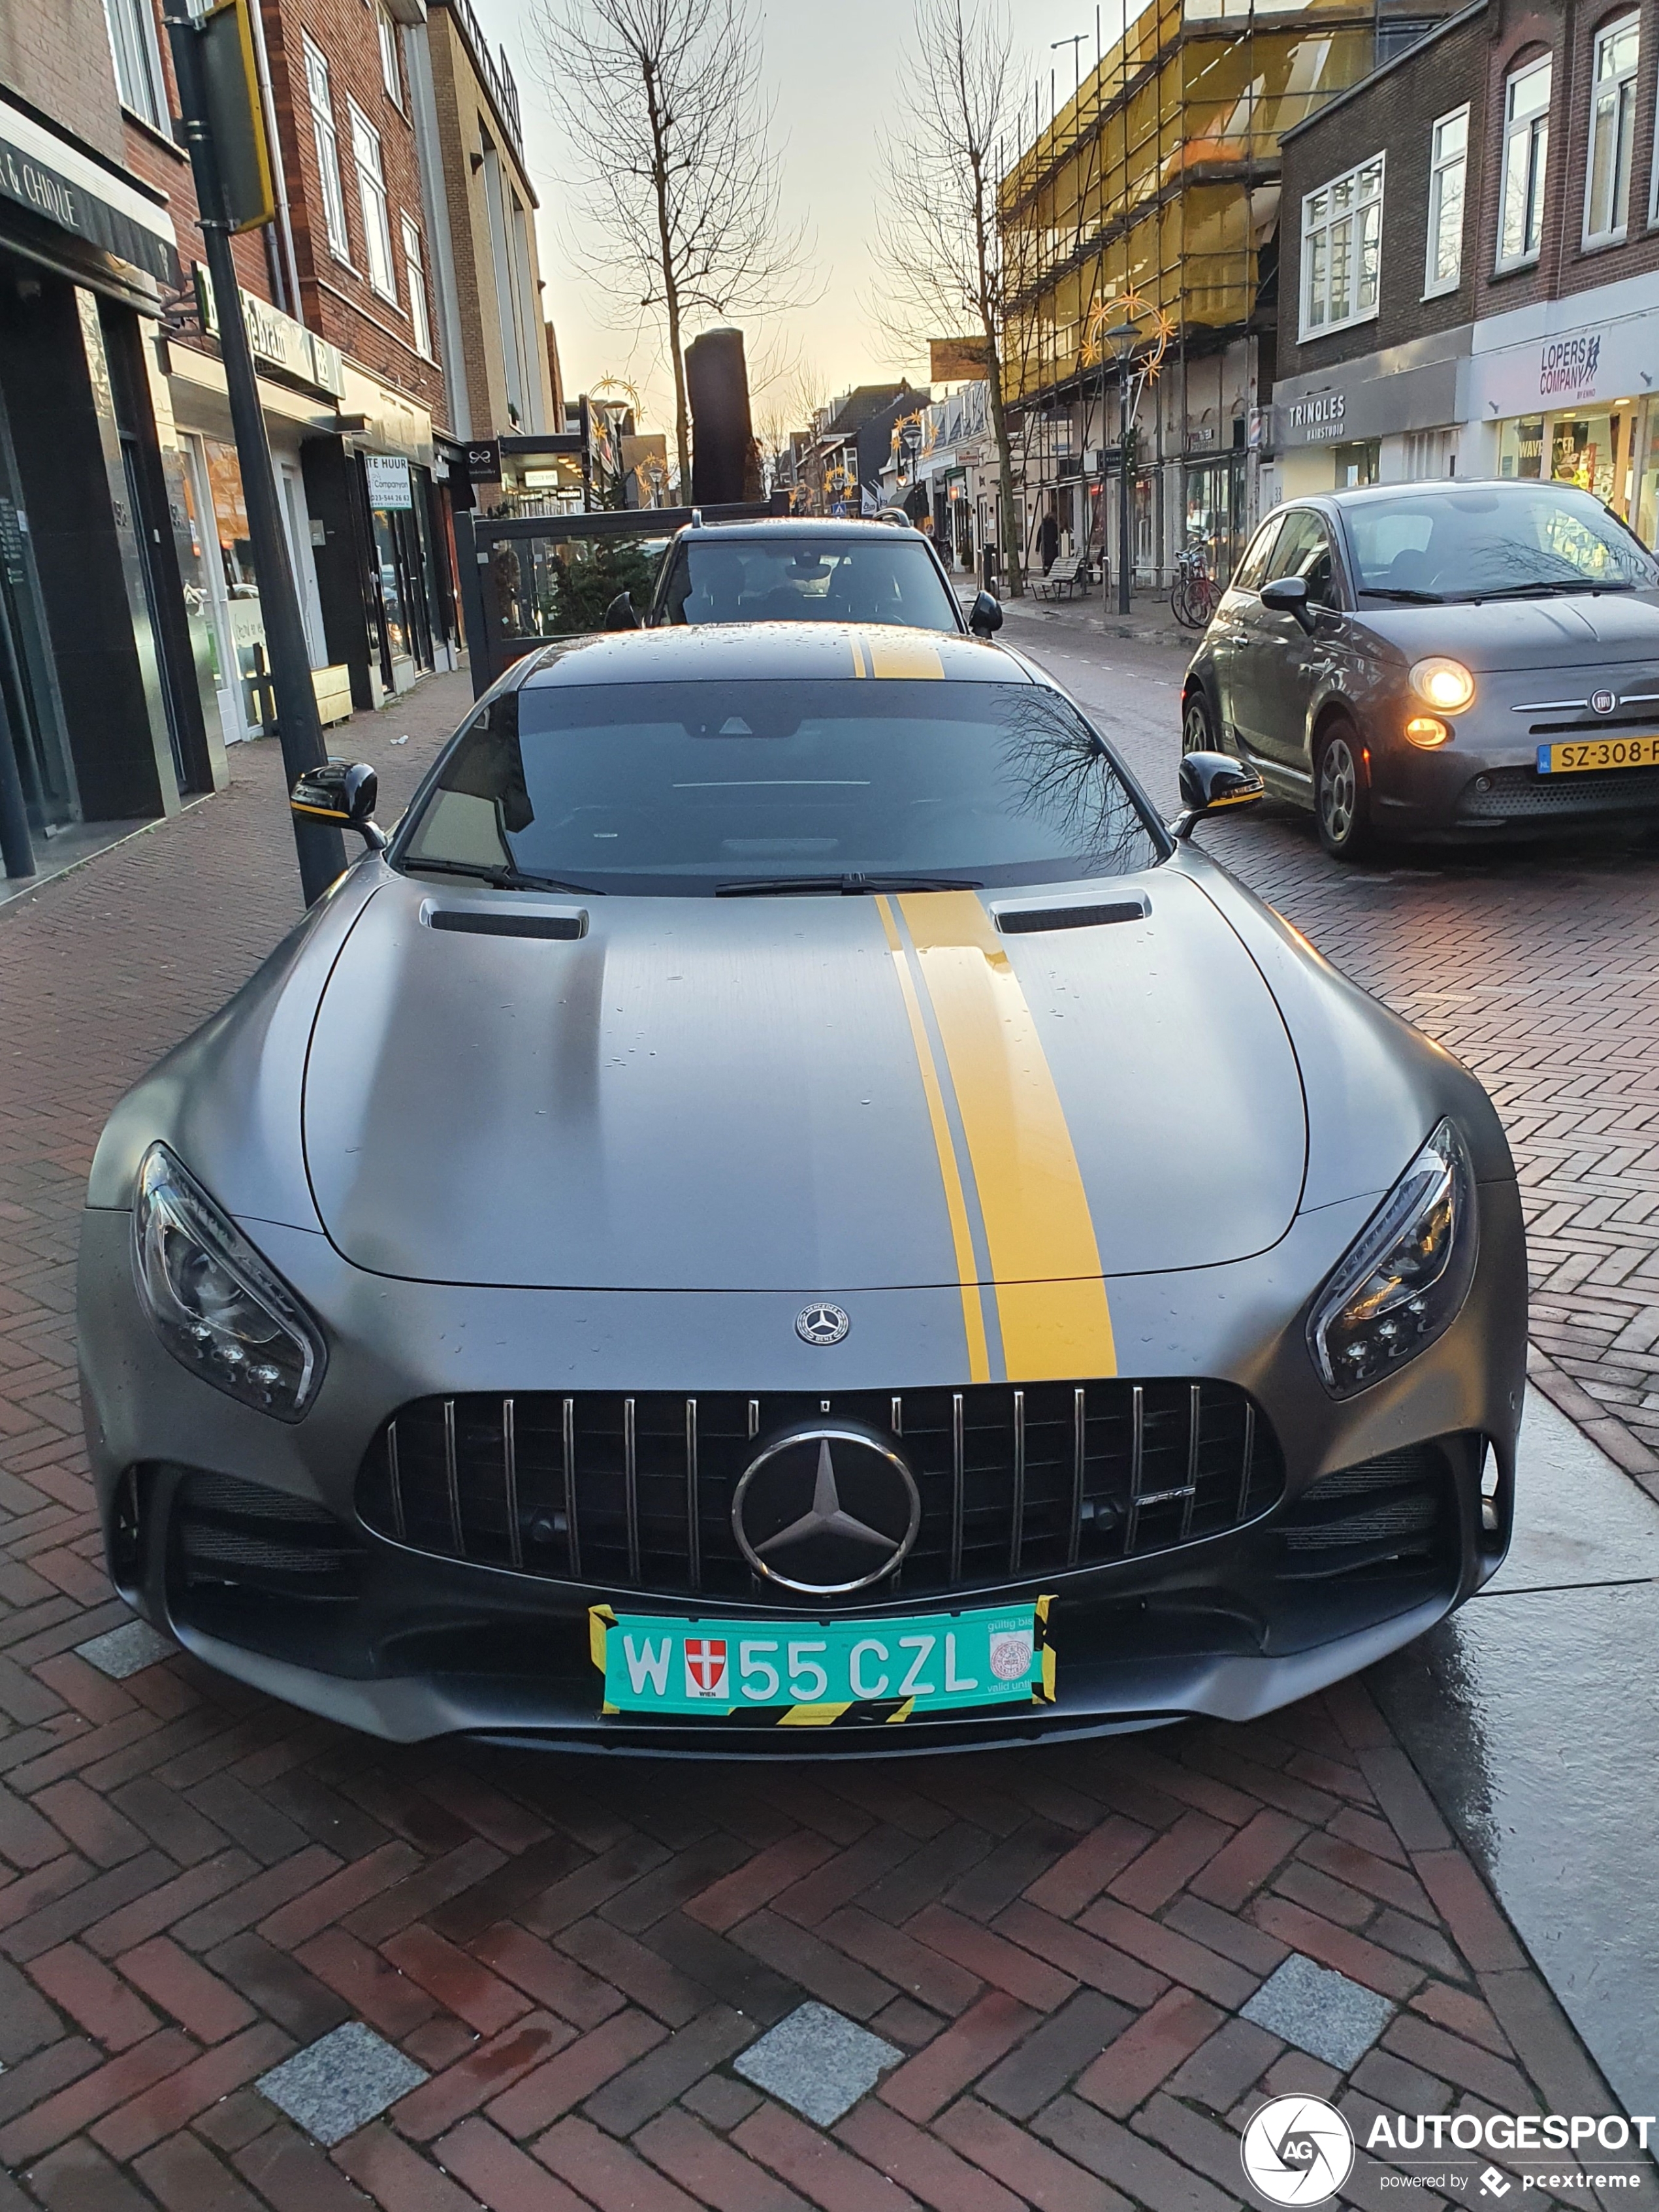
{"x":1195,"y":595}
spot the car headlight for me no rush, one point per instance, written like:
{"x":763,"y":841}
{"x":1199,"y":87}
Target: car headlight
{"x":1405,"y":1277}
{"x":1444,"y":684}
{"x":218,"y":1307}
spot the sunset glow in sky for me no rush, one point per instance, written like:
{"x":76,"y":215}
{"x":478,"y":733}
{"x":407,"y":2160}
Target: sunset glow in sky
{"x":838,"y":71}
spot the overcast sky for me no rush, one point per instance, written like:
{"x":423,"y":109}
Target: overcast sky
{"x":838,"y":67}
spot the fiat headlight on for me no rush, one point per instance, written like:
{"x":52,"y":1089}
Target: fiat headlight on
{"x":1443,"y":683}
{"x":218,"y":1307}
{"x":1406,"y":1276}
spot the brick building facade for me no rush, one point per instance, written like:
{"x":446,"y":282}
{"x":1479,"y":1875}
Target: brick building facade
{"x":493,"y":340}
{"x":1509,"y":325}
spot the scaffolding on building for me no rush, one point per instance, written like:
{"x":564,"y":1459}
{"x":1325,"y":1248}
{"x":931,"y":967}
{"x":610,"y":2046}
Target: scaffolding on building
{"x":1156,"y":185}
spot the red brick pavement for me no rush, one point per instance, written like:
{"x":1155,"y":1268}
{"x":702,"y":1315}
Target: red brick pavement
{"x":195,"y":1881}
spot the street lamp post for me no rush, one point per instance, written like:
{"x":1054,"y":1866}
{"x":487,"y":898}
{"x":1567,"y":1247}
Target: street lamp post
{"x":1123,"y":337}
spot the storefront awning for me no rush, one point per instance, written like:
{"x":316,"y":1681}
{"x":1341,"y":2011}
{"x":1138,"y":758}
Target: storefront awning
{"x":59,"y":183}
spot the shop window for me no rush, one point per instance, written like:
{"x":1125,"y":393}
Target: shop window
{"x":1520,"y":446}
{"x":1358,"y":464}
{"x":415,"y":269}
{"x":1526,"y":155}
{"x":390,"y":75}
{"x":1611,"y":132}
{"x":326,"y":141}
{"x":137,"y":61}
{"x":1342,"y":250}
{"x":370,"y":197}
{"x":1449,"y":158}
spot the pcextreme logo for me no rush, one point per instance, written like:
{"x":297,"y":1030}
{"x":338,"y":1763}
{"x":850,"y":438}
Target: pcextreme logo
{"x":1300,"y":2150}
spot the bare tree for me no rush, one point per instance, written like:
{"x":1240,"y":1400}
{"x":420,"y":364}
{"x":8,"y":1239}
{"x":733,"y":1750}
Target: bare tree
{"x":672,"y":176}
{"x":941,"y":247}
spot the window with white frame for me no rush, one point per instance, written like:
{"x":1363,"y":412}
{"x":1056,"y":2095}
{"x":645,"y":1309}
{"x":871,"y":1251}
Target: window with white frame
{"x":1448,"y":162}
{"x":370,"y":197}
{"x":328,"y":150}
{"x":1342,"y":250}
{"x":1526,"y":155}
{"x":390,"y":75}
{"x":137,"y":59}
{"x":1612,"y":132}
{"x":415,"y":270}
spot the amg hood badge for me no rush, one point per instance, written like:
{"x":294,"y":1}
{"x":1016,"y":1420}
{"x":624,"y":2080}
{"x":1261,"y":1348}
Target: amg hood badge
{"x":826,"y":1509}
{"x":821,"y":1323}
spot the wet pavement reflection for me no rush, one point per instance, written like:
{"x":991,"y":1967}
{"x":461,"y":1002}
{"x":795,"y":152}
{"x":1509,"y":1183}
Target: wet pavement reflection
{"x":1534,"y":1717}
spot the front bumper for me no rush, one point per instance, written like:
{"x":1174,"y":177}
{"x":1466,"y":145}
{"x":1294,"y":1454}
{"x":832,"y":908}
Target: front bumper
{"x":407,"y":1645}
{"x":1485,"y":781}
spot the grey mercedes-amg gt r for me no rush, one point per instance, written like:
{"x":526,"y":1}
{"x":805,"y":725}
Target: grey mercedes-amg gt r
{"x":785,"y":1210}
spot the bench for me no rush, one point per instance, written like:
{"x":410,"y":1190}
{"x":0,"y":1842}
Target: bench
{"x":1068,"y":575}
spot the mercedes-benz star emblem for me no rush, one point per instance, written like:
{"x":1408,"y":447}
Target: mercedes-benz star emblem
{"x":821,"y":1323}
{"x":826,"y":1508}
{"x":1603,"y":702}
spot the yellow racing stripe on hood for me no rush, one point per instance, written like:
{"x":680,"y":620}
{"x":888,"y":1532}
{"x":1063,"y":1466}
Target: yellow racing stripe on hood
{"x":1045,"y":1262}
{"x":973,"y":1309}
{"x":899,"y":653}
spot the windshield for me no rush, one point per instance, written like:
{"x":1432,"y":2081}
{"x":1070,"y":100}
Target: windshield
{"x":699,"y":789}
{"x":883,"y":578}
{"x":1474,"y":543}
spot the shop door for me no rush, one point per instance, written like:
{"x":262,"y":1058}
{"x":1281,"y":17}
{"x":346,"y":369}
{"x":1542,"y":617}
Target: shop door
{"x":417,"y":597}
{"x":144,"y":533}
{"x":255,"y":702}
{"x":28,"y":686}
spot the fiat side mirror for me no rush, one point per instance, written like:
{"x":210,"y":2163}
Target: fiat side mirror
{"x":345,"y":796}
{"x":985,"y":618}
{"x":1209,"y":781}
{"x":1288,"y":595}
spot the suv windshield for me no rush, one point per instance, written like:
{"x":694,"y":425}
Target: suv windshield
{"x":1483,"y":543}
{"x":700,"y":788}
{"x":883,"y":578}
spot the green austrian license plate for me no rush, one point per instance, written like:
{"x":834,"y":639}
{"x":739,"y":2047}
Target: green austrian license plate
{"x":816,"y":1673}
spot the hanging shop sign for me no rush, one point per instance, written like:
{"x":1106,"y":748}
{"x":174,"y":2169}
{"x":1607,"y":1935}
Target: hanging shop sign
{"x":275,"y":340}
{"x":388,"y":480}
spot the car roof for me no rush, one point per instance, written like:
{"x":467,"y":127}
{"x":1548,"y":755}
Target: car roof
{"x":712,"y":652}
{"x":1361,"y":495}
{"x":804,"y":525}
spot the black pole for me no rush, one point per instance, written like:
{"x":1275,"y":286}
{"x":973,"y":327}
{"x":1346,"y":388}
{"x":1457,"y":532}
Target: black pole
{"x":321,"y":848}
{"x":17,"y":850}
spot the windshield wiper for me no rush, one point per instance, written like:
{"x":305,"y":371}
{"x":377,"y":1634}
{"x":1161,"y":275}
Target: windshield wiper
{"x":1401,"y":592}
{"x":1546,"y":584}
{"x":850,"y":886}
{"x":502,"y":879}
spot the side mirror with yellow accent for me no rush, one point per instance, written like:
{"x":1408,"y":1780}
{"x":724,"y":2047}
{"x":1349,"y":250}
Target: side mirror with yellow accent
{"x":1209,"y":781}
{"x":333,"y":791}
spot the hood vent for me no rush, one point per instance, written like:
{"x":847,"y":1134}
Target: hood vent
{"x":1017,"y":921}
{"x":473,"y":921}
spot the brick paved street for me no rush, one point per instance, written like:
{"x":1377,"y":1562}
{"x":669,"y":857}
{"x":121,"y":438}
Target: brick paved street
{"x":196,"y":1884}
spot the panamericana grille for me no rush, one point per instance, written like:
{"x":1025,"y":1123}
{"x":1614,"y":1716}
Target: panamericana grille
{"x":636,"y":1492}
